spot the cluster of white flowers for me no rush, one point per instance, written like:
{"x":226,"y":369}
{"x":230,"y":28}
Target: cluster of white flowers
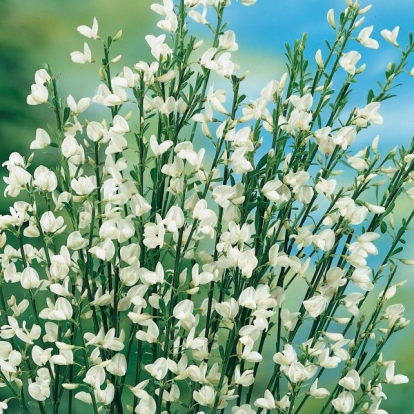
{"x":155,"y":265}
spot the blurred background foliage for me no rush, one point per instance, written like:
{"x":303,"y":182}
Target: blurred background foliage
{"x":44,"y":31}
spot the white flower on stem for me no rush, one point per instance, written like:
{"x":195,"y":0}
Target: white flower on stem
{"x":224,"y":195}
{"x":327,"y":361}
{"x":44,"y":179}
{"x":316,"y":392}
{"x":351,"y":381}
{"x":30,"y":278}
{"x":75,"y":241}
{"x":365,"y":40}
{"x":105,"y":97}
{"x":325,"y":141}
{"x":83,"y":186}
{"x":285,"y":358}
{"x":79,"y":107}
{"x":350,"y":211}
{"x":241,"y":138}
{"x":349,"y":60}
{"x":244,"y":379}
{"x":391,"y":36}
{"x":42,"y":139}
{"x":139,"y":206}
{"x":159,"y":149}
{"x":393,"y":313}
{"x":60,"y":311}
{"x":152,"y":334}
{"x":154,"y":233}
{"x":183,"y":311}
{"x":357,"y":161}
{"x":368,"y":115}
{"x":146,"y":405}
{"x":268,"y":402}
{"x":289,"y":319}
{"x":227,"y":41}
{"x":152,"y":278}
{"x":82,"y":58}
{"x":174,"y":219}
{"x":326,"y":187}
{"x":65,"y":356}
{"x":344,"y":403}
{"x":351,"y":302}
{"x":245,"y":408}
{"x":297,"y":372}
{"x":247,"y":262}
{"x":325,"y":240}
{"x":315,"y":305}
{"x":159,"y":49}
{"x":38,"y":96}
{"x":50,"y":224}
{"x":40,"y":390}
{"x":276,"y":191}
{"x":335,"y":278}
{"x":106,"y":341}
{"x":42,"y":77}
{"x":91,"y":32}
{"x":95,"y":376}
{"x":345,"y":137}
{"x":390,"y":377}
{"x":361,"y":277}
{"x":330,"y":17}
{"x":228,"y":309}
{"x":106,"y":395}
{"x":158,"y":369}
{"x":206,"y":396}
{"x":104,"y":250}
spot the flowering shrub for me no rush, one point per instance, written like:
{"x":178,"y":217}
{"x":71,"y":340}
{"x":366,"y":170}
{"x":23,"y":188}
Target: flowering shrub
{"x":199,"y":252}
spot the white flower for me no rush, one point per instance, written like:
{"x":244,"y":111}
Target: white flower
{"x":316,"y":392}
{"x":79,"y":107}
{"x":365,"y":40}
{"x":315,"y":305}
{"x":351,"y":381}
{"x":227,"y":41}
{"x":79,"y":57}
{"x":174,"y":219}
{"x":50,"y":224}
{"x":276,"y":191}
{"x":38,"y":96}
{"x":60,"y":311}
{"x":390,"y":377}
{"x":45,"y":179}
{"x":83,"y":186}
{"x":391,"y":36}
{"x":349,"y":60}
{"x":158,"y":48}
{"x":159,"y":149}
{"x":297,"y":372}
{"x":91,"y":32}
{"x":206,"y":396}
{"x":42,"y":139}
{"x":344,"y":403}
{"x":158,"y":369}
{"x":268,"y":402}
{"x":30,"y":278}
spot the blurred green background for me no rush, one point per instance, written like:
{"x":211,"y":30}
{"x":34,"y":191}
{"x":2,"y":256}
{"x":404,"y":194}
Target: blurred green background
{"x":34,"y":32}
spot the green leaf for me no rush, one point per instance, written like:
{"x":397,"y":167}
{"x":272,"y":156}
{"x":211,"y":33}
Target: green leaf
{"x":397,"y":250}
{"x":66,"y":114}
{"x":153,"y":174}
